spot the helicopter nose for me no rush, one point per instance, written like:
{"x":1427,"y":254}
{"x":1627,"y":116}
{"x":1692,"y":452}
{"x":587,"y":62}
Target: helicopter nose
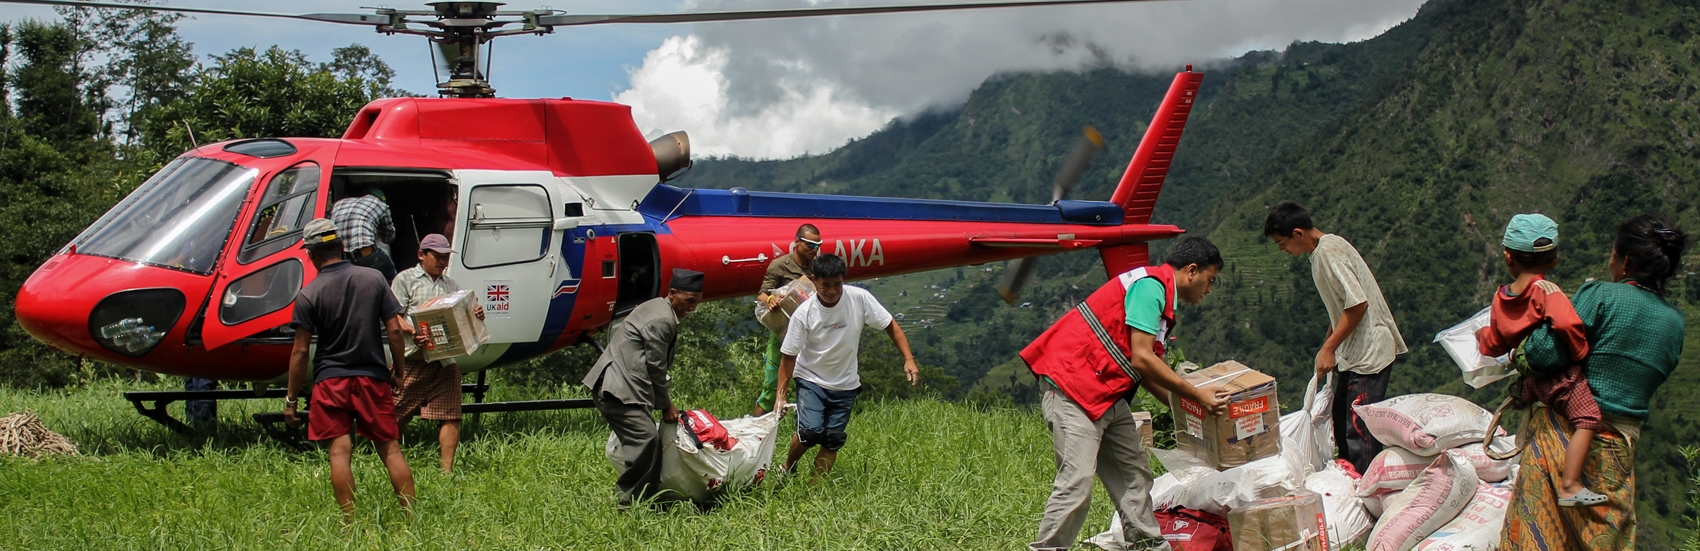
{"x":104,"y":308}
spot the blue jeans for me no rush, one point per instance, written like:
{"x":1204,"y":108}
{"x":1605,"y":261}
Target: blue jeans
{"x":823,"y":414}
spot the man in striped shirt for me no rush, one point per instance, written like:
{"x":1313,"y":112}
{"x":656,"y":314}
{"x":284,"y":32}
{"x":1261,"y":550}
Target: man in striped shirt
{"x":429,"y":389}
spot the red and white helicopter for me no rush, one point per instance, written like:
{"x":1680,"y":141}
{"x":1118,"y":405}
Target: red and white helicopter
{"x":560,"y":209}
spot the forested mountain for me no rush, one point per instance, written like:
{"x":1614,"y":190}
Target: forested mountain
{"x":1417,"y":146}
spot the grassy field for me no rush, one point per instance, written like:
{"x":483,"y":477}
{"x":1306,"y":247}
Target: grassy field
{"x":916,"y":475}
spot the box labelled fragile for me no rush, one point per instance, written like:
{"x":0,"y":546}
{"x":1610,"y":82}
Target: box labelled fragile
{"x":1249,"y":431}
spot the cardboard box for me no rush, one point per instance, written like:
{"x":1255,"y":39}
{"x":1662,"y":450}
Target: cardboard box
{"x":1295,"y":522}
{"x":451,"y":324}
{"x":1250,"y":431}
{"x":779,"y":317}
{"x":1147,"y":436}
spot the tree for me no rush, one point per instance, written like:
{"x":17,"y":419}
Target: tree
{"x":252,"y":94}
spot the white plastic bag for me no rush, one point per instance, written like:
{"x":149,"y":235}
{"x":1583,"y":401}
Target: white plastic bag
{"x":1425,"y":424}
{"x":1220,"y":491}
{"x":703,"y":473}
{"x":1460,"y":343}
{"x":1312,"y":428}
{"x":1434,"y":499}
{"x":1348,"y":522}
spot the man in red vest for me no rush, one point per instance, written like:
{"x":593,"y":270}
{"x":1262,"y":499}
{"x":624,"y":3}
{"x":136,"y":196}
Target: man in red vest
{"x":1090,"y":363}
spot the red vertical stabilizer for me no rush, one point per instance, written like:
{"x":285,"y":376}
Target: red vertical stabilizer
{"x":1139,"y":186}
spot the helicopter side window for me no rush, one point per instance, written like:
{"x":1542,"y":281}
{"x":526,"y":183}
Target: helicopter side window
{"x":285,"y":207}
{"x":506,"y":224}
{"x":260,"y":293}
{"x":179,"y":222}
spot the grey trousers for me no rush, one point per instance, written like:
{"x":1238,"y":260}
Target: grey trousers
{"x":640,"y":447}
{"x":1110,"y":449}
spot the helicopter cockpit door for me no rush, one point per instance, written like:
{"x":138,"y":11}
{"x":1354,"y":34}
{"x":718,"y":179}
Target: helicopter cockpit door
{"x":263,"y":266}
{"x":508,"y":239}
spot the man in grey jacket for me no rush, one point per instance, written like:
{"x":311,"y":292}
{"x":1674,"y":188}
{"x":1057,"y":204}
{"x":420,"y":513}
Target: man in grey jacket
{"x":629,"y":382}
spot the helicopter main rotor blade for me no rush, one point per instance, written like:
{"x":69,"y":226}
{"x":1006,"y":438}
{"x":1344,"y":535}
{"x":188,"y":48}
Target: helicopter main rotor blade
{"x":349,"y":18}
{"x":747,"y":15}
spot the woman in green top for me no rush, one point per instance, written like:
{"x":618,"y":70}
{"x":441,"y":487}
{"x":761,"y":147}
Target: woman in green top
{"x":1634,"y":339}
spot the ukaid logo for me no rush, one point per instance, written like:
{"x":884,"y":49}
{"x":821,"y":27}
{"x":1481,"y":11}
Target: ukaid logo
{"x":498,"y":299}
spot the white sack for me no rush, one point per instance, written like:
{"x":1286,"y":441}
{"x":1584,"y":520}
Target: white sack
{"x":1218,"y":492}
{"x":1312,"y":428}
{"x":1348,"y":522}
{"x":703,"y":473}
{"x":1478,"y":527}
{"x":1434,"y":499}
{"x":1394,"y":468}
{"x":1460,"y":343}
{"x":1425,"y":424}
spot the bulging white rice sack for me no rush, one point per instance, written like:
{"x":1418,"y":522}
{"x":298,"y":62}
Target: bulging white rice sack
{"x":1460,"y":343}
{"x":1348,"y":522}
{"x":1165,"y":490}
{"x":702,"y":473}
{"x":1425,"y":424}
{"x":1432,"y":500}
{"x":1478,"y":527}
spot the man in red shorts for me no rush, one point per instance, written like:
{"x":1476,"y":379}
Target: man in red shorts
{"x":345,"y":306}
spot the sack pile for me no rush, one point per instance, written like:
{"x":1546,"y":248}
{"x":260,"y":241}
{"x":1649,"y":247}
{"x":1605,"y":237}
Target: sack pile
{"x":1433,"y":471}
{"x":1276,"y":491}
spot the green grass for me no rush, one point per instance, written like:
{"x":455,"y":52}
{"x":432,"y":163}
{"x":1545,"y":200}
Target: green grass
{"x":919,"y":474}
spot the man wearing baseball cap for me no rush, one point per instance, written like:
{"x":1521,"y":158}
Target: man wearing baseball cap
{"x":345,"y":305}
{"x":629,"y":382}
{"x":429,"y":389}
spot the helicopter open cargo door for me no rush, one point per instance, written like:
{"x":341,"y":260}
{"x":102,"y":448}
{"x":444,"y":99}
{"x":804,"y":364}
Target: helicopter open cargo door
{"x":262,"y":266}
{"x":509,"y":241}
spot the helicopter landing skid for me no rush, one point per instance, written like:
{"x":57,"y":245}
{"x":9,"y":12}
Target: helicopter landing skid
{"x":274,"y":426}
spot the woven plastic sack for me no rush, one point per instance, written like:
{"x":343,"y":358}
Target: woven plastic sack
{"x":1348,"y":522}
{"x":1478,"y":527}
{"x":1376,"y":504}
{"x":1425,"y":424}
{"x":1437,"y":496}
{"x":702,"y":473}
{"x":1460,"y":343}
{"x":1217,"y":492}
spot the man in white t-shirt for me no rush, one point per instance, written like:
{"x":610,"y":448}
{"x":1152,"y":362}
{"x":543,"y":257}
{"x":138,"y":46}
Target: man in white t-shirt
{"x":1363,"y":341}
{"x":820,"y":350}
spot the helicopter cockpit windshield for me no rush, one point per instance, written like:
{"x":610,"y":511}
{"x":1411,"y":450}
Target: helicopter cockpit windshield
{"x":178,"y":219}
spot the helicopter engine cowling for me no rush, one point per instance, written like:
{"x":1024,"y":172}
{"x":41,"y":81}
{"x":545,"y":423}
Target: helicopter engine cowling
{"x":672,"y":154}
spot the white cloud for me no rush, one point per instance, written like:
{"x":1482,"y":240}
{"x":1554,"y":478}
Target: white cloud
{"x":683,"y":85}
{"x":776,"y":89}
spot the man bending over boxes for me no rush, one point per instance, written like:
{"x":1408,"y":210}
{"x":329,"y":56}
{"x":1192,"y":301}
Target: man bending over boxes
{"x":429,"y":389}
{"x":1090,"y":364}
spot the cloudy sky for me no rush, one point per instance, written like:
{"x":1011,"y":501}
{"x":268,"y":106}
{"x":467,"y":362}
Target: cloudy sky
{"x":777,"y":89}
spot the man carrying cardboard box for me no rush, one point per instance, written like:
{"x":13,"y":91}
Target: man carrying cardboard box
{"x":429,"y":389}
{"x":780,"y":272}
{"x":1090,"y":363}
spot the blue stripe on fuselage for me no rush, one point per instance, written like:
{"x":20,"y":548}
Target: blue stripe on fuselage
{"x":668,"y":202}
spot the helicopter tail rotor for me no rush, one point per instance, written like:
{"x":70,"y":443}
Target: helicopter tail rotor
{"x":1090,"y":144}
